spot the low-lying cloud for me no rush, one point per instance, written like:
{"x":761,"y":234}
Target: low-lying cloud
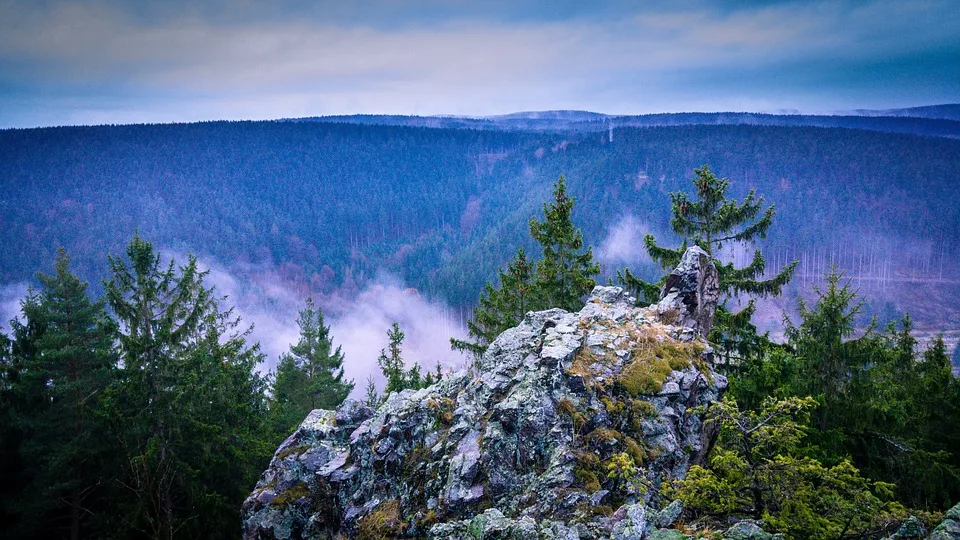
{"x":358,"y":322}
{"x":623,"y":244}
{"x":10,"y":297}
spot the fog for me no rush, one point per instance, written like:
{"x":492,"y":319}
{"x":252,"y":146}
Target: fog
{"x":358,"y":321}
{"x":10,"y":297}
{"x":623,"y":244}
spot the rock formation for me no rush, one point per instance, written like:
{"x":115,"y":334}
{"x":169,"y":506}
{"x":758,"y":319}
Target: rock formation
{"x":568,"y":428}
{"x":691,"y":292}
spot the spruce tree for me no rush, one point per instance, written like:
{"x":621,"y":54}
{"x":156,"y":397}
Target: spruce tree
{"x":564,"y":275}
{"x":712,"y":220}
{"x":394,"y":370}
{"x":371,"y":396}
{"x":20,"y":396}
{"x":827,"y":359}
{"x":188,"y":405}
{"x":310,"y":376}
{"x":500,"y":308}
{"x":10,"y":467}
{"x":65,"y":446}
{"x":289,"y":401}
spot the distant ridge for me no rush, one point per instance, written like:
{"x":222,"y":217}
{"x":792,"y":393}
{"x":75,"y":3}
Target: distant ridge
{"x":937,"y":120}
{"x":947,"y":111}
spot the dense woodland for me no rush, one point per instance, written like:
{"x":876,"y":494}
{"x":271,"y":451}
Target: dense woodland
{"x":134,"y":407}
{"x":330,"y":205}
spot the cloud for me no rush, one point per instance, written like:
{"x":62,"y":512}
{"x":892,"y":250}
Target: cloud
{"x":10,"y":296}
{"x":358,"y":323}
{"x":623,"y":244}
{"x":361,"y":327}
{"x":94,"y":61}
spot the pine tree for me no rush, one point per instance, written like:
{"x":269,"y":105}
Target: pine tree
{"x":188,"y":406}
{"x":310,"y":376}
{"x":564,"y":275}
{"x":20,"y":395}
{"x":10,"y":438}
{"x":64,"y":446}
{"x":711,"y":221}
{"x":500,"y":308}
{"x":289,"y":401}
{"x":560,"y":279}
{"x":392,"y":365}
{"x":394,"y":370}
{"x":371,"y":397}
{"x":827,"y":359}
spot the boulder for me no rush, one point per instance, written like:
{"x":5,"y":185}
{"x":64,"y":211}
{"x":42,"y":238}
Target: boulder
{"x":949,"y":528}
{"x":691,"y":292}
{"x":567,"y":429}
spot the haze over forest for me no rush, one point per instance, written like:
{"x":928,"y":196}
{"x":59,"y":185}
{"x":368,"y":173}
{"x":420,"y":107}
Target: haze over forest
{"x":381,"y":219}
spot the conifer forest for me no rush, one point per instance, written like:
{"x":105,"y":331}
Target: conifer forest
{"x":375,"y":269}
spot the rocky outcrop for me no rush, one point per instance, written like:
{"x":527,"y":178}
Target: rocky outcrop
{"x":949,"y":528}
{"x":568,"y":428}
{"x":691,"y":292}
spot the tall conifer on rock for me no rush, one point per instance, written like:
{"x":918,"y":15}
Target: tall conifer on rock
{"x":565,"y":273}
{"x":712,"y":220}
{"x":310,"y":376}
{"x":500,"y":308}
{"x":562,"y":277}
{"x":394,"y":369}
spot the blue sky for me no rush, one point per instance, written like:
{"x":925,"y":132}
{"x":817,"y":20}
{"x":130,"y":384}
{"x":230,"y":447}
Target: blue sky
{"x":82,"y":62}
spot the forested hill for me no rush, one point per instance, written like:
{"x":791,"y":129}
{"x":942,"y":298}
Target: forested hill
{"x":332,"y":204}
{"x":941,"y":120}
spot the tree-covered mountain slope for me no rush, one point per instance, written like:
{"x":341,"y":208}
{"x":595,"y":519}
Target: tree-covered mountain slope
{"x":331,"y":205}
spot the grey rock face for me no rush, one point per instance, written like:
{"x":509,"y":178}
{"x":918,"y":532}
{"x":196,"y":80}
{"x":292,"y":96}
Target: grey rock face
{"x":691,"y":292}
{"x":910,"y":529}
{"x":748,"y":530}
{"x":568,"y":429}
{"x":949,"y":528}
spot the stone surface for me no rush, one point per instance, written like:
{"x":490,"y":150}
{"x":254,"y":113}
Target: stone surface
{"x":691,"y":292}
{"x":748,"y":530}
{"x":521,"y":447}
{"x":910,"y":529}
{"x":949,"y":528}
{"x":669,"y":515}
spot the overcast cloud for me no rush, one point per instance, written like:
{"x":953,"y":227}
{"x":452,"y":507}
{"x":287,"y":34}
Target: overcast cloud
{"x":75,"y":61}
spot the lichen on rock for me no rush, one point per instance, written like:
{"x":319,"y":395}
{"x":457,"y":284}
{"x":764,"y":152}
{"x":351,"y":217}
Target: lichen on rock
{"x":568,"y":428}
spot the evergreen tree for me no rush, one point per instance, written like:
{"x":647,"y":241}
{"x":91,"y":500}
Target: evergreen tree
{"x":711,"y":221}
{"x":64,"y":439}
{"x":11,"y":470}
{"x":188,"y":406}
{"x":826,"y":358}
{"x":500,"y":308}
{"x":880,"y":402}
{"x":371,"y":397}
{"x":310,"y":376}
{"x":758,"y":469}
{"x":289,"y":401}
{"x":20,"y":395}
{"x":394,"y":370}
{"x":564,"y":275}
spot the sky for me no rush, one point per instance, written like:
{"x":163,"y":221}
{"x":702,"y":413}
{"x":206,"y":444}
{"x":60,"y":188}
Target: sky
{"x":66,"y":62}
